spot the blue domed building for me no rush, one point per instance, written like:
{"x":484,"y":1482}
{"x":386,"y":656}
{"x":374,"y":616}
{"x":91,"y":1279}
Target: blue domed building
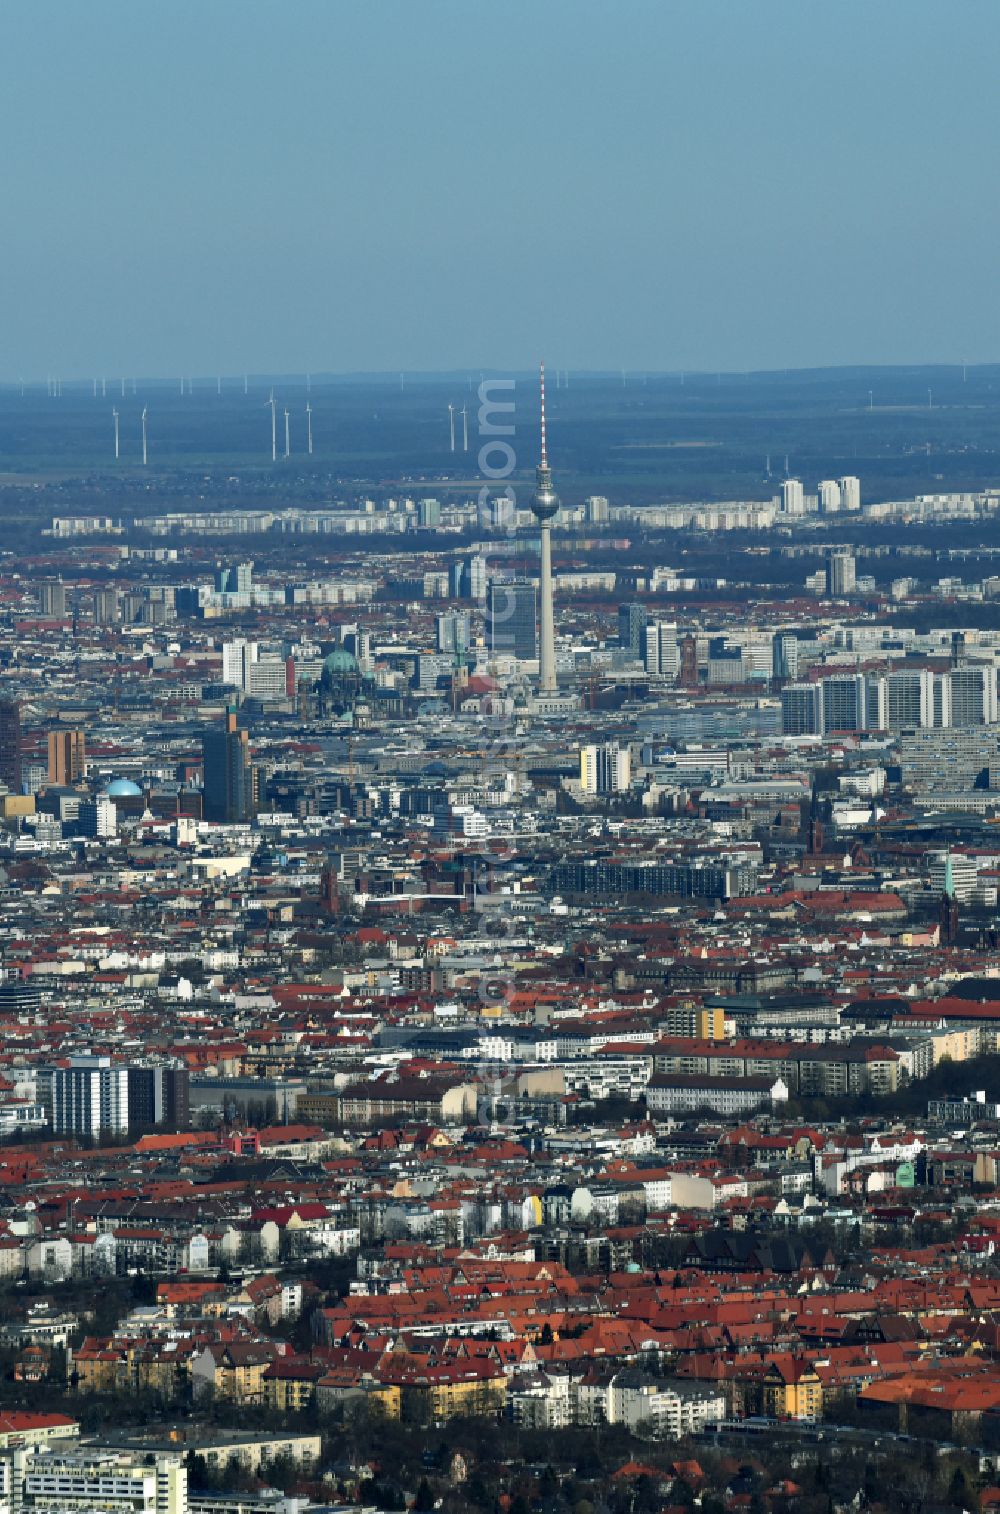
{"x":122,"y":788}
{"x":339,"y":683}
{"x":340,"y":663}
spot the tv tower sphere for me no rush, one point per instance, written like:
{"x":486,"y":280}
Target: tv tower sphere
{"x":545,"y":501}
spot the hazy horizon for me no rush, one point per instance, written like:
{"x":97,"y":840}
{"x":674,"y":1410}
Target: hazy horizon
{"x":462,"y":374}
{"x":366,"y":189}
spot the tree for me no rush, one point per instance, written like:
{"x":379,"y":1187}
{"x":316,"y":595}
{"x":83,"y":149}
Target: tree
{"x":477,"y":1491}
{"x":959,"y":1491}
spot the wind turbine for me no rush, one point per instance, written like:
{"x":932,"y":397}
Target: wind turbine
{"x":95,"y":389}
{"x":123,"y":388}
{"x":145,"y":454}
{"x":114,"y":413}
{"x":451,"y":425}
{"x":274,"y":429}
{"x":288,"y":447}
{"x":465,"y":428}
{"x":218,"y":385}
{"x":309,"y":427}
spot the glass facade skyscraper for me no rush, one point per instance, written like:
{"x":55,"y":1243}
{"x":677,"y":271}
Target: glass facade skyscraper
{"x":512,"y":618}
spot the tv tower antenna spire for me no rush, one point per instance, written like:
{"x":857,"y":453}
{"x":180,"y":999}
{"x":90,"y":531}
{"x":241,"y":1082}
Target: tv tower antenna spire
{"x":544,"y":505}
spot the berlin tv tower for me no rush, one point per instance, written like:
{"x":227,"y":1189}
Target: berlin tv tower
{"x":544,"y":505}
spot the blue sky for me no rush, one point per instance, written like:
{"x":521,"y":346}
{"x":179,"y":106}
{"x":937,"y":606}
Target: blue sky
{"x":207,"y":185}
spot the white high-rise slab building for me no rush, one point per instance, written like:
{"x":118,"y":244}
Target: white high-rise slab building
{"x":793,"y":499}
{"x":605,"y":769}
{"x":238,"y":657}
{"x":660,"y":652}
{"x":829,"y":496}
{"x":89,"y":1097}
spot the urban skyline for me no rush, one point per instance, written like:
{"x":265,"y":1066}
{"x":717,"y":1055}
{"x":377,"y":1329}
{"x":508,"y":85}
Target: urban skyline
{"x":499,"y":866}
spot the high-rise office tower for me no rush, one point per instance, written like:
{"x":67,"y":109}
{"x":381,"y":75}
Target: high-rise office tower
{"x":974,"y":694}
{"x":52,"y":599}
{"x":98,"y":818}
{"x":876,"y":703}
{"x":10,"y":745}
{"x":469,"y":577}
{"x":544,"y":505}
{"x":230,"y":782}
{"x":940,"y":700}
{"x":841,"y":573}
{"x":802,"y":709}
{"x":844,"y":702}
{"x":952,"y":873}
{"x":238,"y":657}
{"x":477,"y":577}
{"x":67,"y":757}
{"x":793,"y":500}
{"x":234,"y":578}
{"x":511,"y":618}
{"x":660,"y":654}
{"x":631,"y":628}
{"x":910,"y":699}
{"x":605,"y":769}
{"x":453,"y":632}
{"x":829,"y":496}
{"x":361,"y":647}
{"x":89,"y":1096}
{"x":158,"y":1094}
{"x":785,"y":655}
{"x":107,"y":607}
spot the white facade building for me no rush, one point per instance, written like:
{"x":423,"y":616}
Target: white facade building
{"x":829,"y":496}
{"x":793,"y":499}
{"x":89,"y":1097}
{"x":105,"y":1481}
{"x":605,"y":769}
